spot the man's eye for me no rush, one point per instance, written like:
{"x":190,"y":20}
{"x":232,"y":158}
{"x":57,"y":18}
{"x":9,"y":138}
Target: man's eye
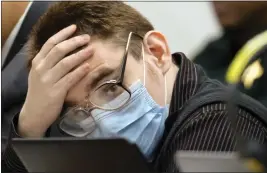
{"x":111,"y":89}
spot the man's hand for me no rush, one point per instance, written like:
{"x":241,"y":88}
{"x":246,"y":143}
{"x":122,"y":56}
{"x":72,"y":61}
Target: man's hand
{"x":51,"y":76}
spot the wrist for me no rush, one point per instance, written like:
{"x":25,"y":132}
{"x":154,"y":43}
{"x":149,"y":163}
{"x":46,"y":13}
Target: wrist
{"x":28,"y":128}
{"x":26,"y":132}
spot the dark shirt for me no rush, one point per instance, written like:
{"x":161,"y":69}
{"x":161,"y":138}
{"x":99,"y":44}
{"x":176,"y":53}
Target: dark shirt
{"x":204,"y":129}
{"x":207,"y":128}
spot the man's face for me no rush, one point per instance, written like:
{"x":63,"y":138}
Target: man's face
{"x":105,"y":65}
{"x":234,"y":14}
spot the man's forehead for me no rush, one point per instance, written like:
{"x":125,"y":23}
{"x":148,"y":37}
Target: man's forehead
{"x":105,"y":53}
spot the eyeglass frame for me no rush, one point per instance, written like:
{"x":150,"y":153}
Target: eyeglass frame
{"x":118,"y":82}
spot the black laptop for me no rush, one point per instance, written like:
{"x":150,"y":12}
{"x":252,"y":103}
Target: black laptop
{"x":80,"y":155}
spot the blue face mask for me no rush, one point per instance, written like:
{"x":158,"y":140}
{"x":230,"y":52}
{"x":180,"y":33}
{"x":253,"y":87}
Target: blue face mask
{"x":140,"y":121}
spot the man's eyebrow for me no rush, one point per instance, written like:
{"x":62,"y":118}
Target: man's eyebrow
{"x":101,"y":76}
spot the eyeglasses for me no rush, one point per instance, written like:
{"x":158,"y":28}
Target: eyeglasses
{"x":78,"y":121}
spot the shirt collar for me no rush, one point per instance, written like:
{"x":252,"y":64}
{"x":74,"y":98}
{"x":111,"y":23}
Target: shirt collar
{"x":187,"y":81}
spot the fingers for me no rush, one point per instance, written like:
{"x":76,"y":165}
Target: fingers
{"x":62,"y":49}
{"x":70,"y":62}
{"x":72,"y":78}
{"x":54,"y":40}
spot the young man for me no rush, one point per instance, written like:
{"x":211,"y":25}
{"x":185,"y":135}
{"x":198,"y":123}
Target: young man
{"x":99,"y":69}
{"x":241,"y":21}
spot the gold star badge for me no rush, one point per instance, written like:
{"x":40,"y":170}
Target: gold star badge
{"x":253,"y":72}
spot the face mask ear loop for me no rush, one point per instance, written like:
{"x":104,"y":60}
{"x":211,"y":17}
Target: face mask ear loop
{"x":143,"y":55}
{"x":165,"y":88}
{"x":165,"y":81}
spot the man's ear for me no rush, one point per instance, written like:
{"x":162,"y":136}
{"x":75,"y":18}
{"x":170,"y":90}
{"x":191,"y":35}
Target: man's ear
{"x":156,"y":45}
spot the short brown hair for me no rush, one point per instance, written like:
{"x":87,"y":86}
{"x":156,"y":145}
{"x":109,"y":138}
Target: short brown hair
{"x":103,"y":20}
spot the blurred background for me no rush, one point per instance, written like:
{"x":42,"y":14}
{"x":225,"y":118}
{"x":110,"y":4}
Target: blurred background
{"x":187,"y":25}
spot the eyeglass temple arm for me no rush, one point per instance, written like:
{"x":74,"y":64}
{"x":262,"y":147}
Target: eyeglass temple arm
{"x":124,"y":60}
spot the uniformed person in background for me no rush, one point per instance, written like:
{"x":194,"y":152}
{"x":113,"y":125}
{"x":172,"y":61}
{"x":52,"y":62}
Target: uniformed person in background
{"x":241,"y":21}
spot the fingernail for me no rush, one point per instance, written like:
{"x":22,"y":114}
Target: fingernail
{"x":73,"y":26}
{"x":86,"y":37}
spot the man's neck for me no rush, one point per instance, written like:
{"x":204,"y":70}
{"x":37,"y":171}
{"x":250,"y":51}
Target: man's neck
{"x":240,"y":35}
{"x":170,"y":79}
